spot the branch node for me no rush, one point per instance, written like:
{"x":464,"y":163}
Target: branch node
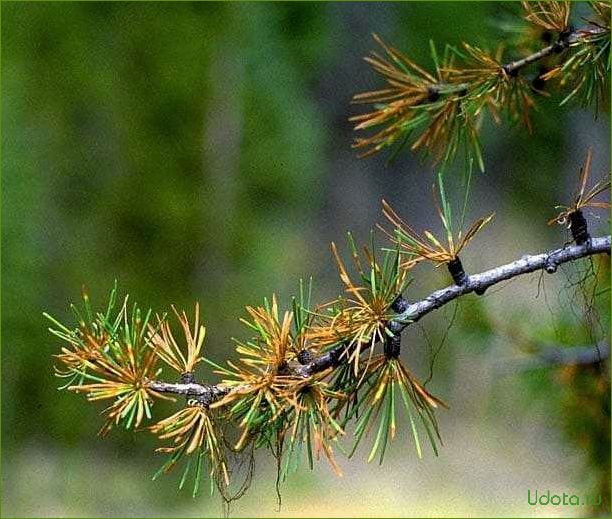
{"x":455,"y":268}
{"x":334,"y":356}
{"x":203,"y":400}
{"x":511,"y":69}
{"x":400,"y":305}
{"x":393,"y":346}
{"x":480,"y":290}
{"x":187,"y":378}
{"x":564,"y":40}
{"x":550,"y":266}
{"x":304,"y":356}
{"x":433,"y":94}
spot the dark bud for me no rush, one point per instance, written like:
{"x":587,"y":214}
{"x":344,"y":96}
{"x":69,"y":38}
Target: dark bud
{"x":455,"y":268}
{"x":578,"y":227}
{"x":433,"y":94}
{"x":538,"y":83}
{"x":400,"y":305}
{"x":304,"y":356}
{"x":547,"y":37}
{"x":393,"y":346}
{"x":334,"y":355}
{"x":563,"y":42}
{"x":480,"y":290}
{"x":550,"y":267}
{"x":559,"y":47}
{"x":512,"y":72}
{"x":567,"y":32}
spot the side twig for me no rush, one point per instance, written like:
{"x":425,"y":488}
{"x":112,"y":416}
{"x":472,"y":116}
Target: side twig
{"x":559,"y":356}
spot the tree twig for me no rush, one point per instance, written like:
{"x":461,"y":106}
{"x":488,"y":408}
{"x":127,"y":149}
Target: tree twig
{"x":556,"y":355}
{"x":409,"y":313}
{"x":576,"y":355}
{"x":512,"y":68}
{"x":564,"y":41}
{"x":551,"y":356}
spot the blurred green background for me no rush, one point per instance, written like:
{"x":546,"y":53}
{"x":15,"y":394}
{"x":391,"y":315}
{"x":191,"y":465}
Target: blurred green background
{"x":201,"y":151}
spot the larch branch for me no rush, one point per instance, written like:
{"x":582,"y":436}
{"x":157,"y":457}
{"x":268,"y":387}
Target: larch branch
{"x":409,"y":313}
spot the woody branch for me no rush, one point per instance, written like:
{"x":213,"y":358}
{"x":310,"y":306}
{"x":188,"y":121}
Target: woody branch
{"x":512,"y":68}
{"x":565,"y":40}
{"x":555,"y":355}
{"x":409,"y":313}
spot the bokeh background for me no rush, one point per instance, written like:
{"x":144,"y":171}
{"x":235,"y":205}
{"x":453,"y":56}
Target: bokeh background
{"x":201,"y":151}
